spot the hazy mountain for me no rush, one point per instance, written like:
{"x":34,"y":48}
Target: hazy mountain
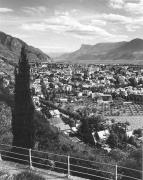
{"x":55,"y":54}
{"x":10,"y":47}
{"x":126,"y":52}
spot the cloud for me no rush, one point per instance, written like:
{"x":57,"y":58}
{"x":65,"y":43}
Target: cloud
{"x":61,"y":13}
{"x":67,"y":24}
{"x":114,"y":18}
{"x":117,"y":38}
{"x":85,"y":28}
{"x":89,"y":32}
{"x":71,"y":21}
{"x":132,"y":28}
{"x":93,"y":21}
{"x":34,"y":26}
{"x":131,"y":23}
{"x":21,"y":36}
{"x":5,"y":10}
{"x":98,"y":22}
{"x":51,"y":47}
{"x":136,"y":8}
{"x":40,"y":10}
{"x":132,"y":6}
{"x":116,"y":4}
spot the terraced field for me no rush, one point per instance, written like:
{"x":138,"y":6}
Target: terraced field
{"x":127,"y":109}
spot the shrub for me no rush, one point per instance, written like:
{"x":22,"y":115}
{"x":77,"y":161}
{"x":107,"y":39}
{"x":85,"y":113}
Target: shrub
{"x":5,"y":124}
{"x":134,"y":161}
{"x":28,"y":176}
{"x":138,"y":132}
{"x":118,"y":154}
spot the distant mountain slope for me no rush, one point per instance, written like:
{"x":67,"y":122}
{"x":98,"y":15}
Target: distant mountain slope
{"x":10,"y":47}
{"x":105,"y":52}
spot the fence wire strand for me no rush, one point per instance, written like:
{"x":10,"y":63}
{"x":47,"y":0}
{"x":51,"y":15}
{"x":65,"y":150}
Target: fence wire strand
{"x":2,"y":146}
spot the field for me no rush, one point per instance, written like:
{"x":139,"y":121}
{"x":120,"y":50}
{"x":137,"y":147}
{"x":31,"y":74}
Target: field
{"x":127,"y":109}
{"x":135,"y":121}
{"x":108,"y":109}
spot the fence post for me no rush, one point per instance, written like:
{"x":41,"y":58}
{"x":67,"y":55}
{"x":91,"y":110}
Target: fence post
{"x":0,"y":157}
{"x":30,"y":159}
{"x":68,"y":166}
{"x":116,"y":172}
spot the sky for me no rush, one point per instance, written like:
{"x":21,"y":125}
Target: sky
{"x":63,"y":25}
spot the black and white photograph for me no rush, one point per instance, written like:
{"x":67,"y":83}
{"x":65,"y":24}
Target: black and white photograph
{"x":71,"y":89}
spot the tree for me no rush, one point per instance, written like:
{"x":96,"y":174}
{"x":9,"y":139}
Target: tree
{"x":84,"y":130}
{"x":113,"y":140}
{"x":23,"y":112}
{"x":118,"y":154}
{"x":132,"y":141}
{"x":138,"y":132}
{"x":118,"y":137}
{"x":97,"y":123}
{"x":44,"y":89}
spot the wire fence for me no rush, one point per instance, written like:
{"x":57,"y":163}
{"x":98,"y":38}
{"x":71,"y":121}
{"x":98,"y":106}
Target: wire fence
{"x":68,"y":165}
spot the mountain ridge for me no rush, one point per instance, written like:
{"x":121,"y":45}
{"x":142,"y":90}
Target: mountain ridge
{"x":10,"y":47}
{"x":115,"y":51}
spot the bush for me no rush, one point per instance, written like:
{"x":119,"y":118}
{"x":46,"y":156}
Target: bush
{"x":4,"y":175}
{"x":134,"y":161}
{"x":5,"y":124}
{"x":138,"y":132}
{"x":118,"y":155}
{"x":28,"y":176}
{"x":132,"y":141}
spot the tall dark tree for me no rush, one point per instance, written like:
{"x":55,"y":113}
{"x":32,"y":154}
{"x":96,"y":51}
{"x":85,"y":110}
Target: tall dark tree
{"x":84,"y":130}
{"x":23,"y":112}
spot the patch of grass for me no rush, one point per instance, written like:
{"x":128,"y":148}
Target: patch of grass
{"x":27,"y":175}
{"x":4,"y":175}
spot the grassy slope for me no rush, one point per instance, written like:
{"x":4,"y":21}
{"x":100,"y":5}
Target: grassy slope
{"x":12,"y":169}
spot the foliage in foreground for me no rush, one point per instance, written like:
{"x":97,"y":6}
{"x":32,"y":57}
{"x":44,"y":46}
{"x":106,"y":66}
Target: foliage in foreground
{"x":27,"y":175}
{"x":5,"y":124}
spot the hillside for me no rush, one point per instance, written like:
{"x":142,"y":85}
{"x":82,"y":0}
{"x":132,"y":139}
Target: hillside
{"x":10,"y":47}
{"x":118,"y":52}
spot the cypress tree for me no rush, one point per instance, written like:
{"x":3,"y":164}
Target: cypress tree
{"x":23,"y":112}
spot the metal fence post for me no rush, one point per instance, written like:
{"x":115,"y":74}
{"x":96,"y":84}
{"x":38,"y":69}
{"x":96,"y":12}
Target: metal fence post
{"x":30,"y":159}
{"x":68,"y":166}
{"x":116,"y":172}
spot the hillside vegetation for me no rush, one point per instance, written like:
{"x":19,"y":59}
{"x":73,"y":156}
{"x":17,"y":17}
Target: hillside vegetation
{"x":10,"y":47}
